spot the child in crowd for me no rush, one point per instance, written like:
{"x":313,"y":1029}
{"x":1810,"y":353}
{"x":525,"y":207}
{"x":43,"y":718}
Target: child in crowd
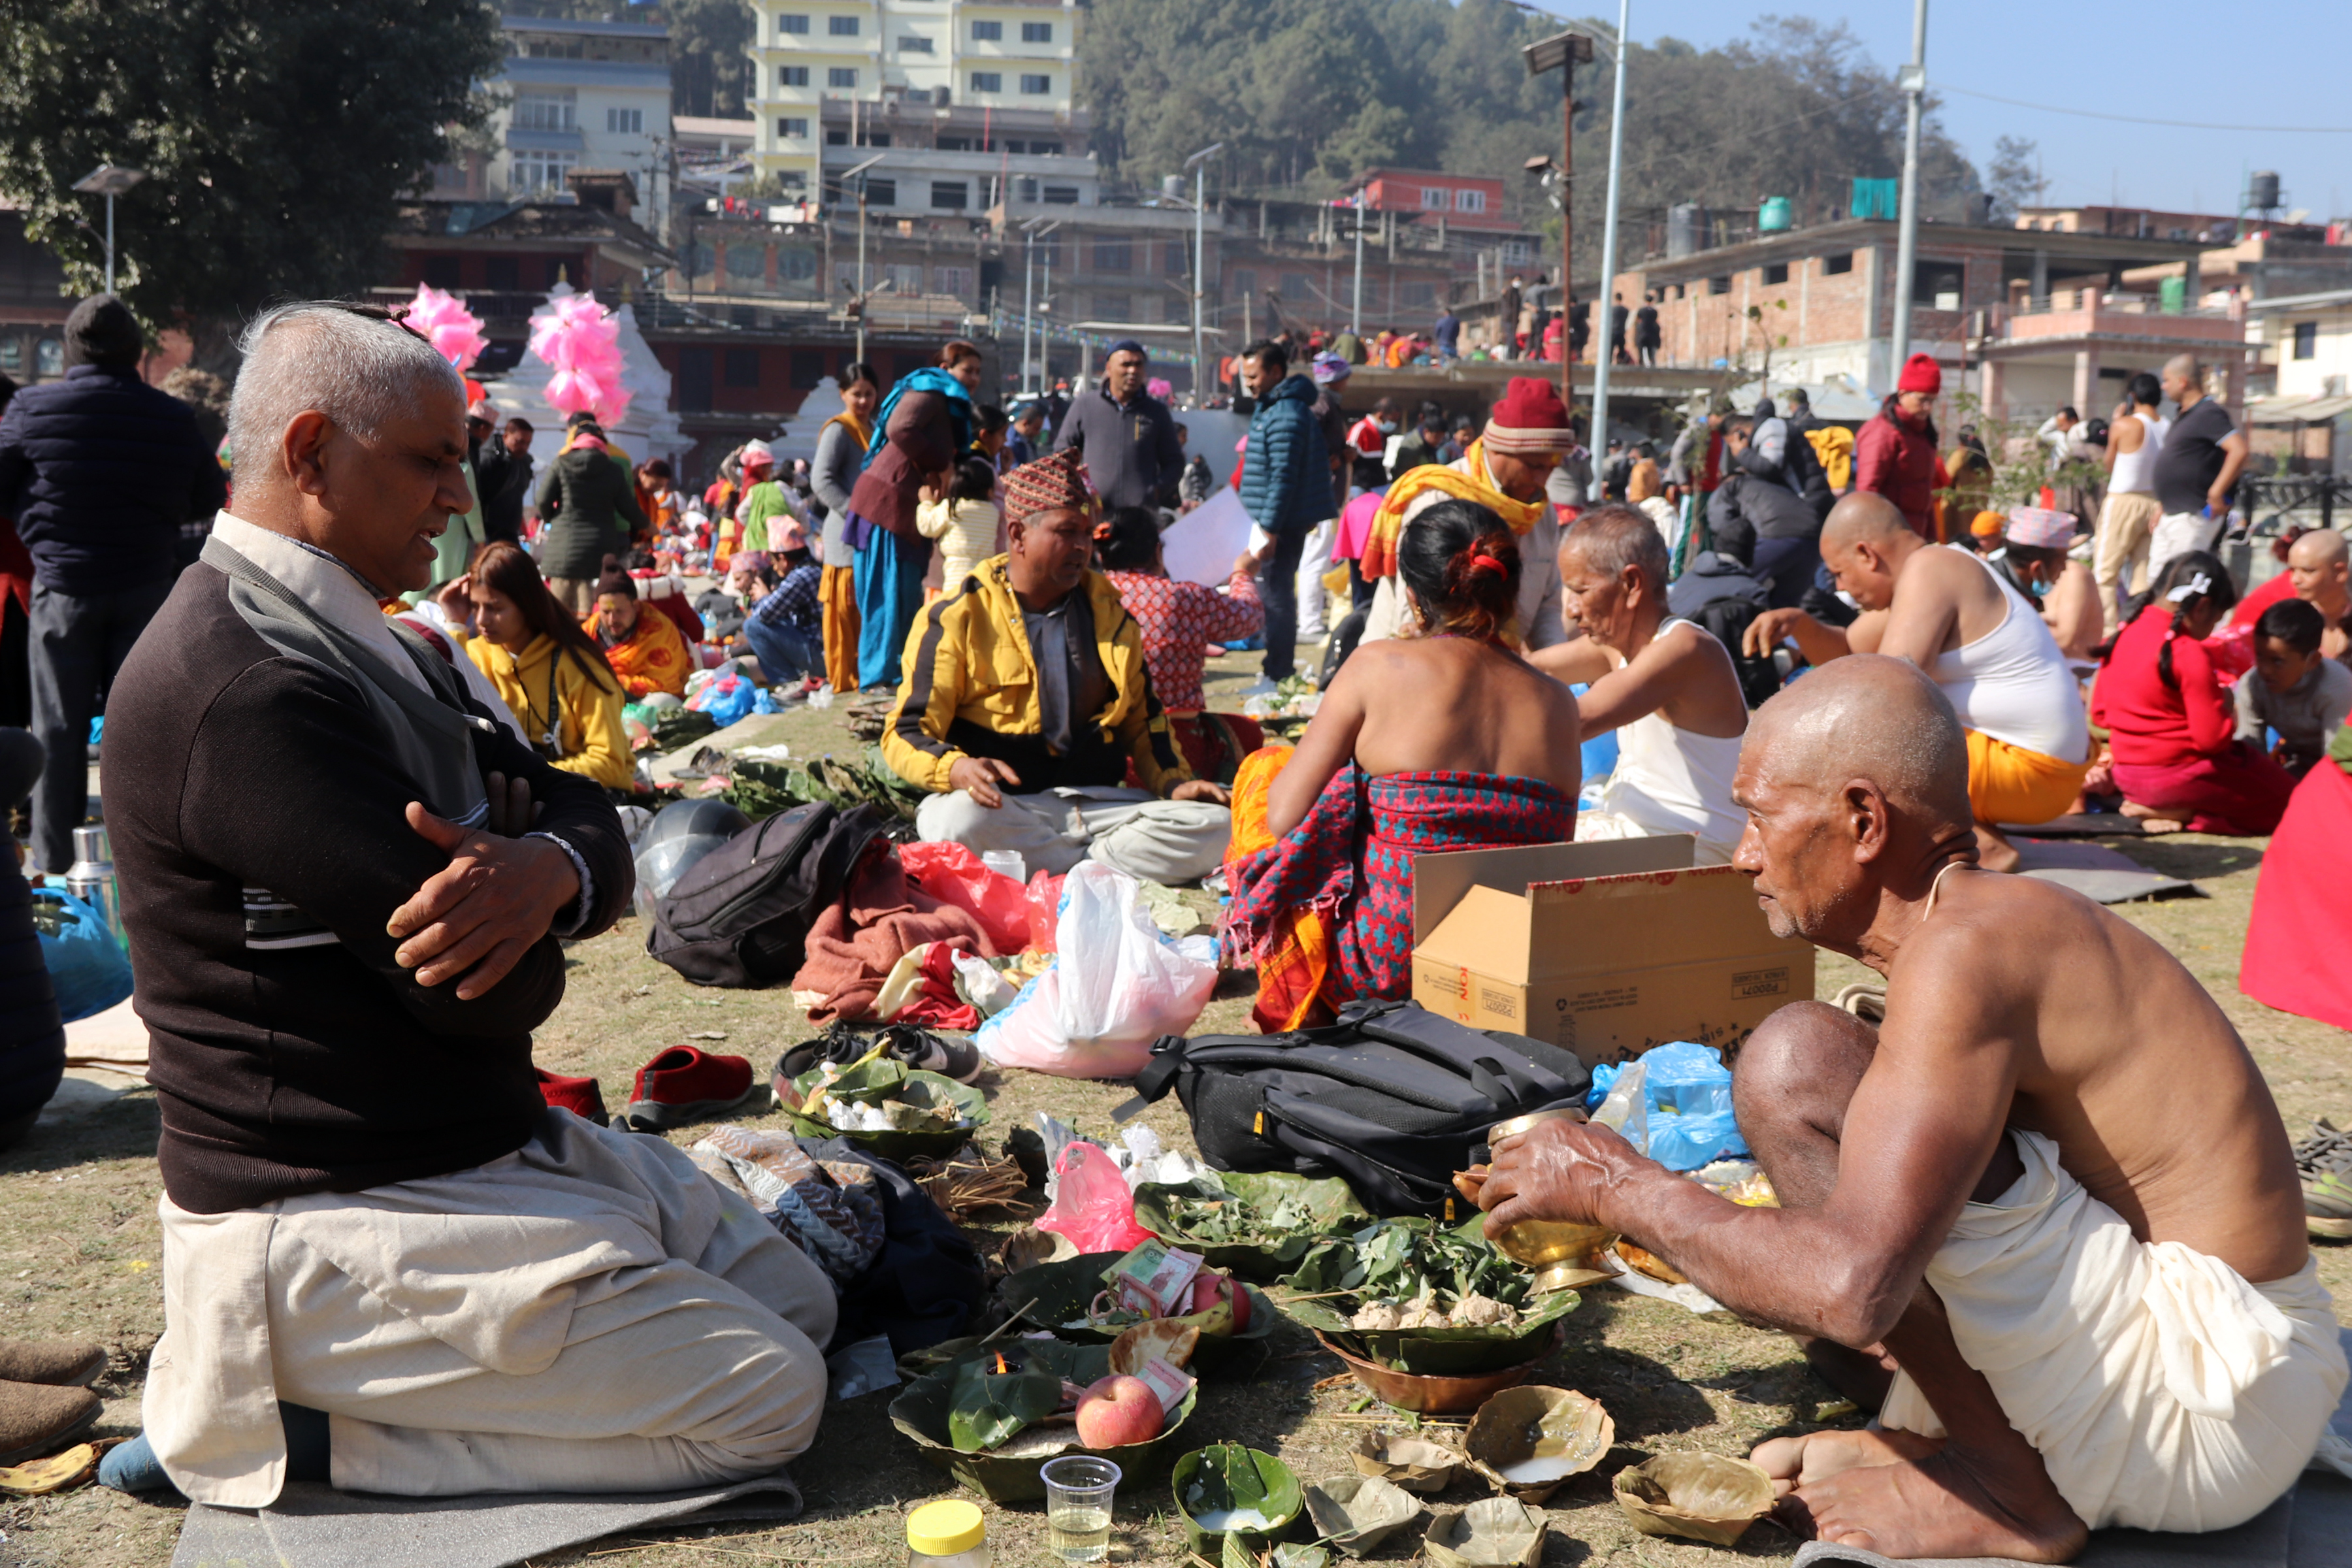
{"x":2293,"y":688}
{"x":2171,"y":731}
{"x":964,"y":521}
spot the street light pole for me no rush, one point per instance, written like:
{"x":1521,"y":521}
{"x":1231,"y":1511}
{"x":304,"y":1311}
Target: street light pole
{"x":1199,"y":164}
{"x":1604,"y":300}
{"x":1913,"y":81}
{"x":1028,"y":304}
{"x":1355,"y":301}
{"x":109,"y":180}
{"x":858,"y":173}
{"x":1563,"y":52}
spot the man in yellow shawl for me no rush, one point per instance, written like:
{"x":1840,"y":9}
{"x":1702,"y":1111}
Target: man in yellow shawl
{"x":1504,"y":470}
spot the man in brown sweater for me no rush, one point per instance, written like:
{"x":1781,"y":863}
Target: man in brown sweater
{"x":344,"y":886}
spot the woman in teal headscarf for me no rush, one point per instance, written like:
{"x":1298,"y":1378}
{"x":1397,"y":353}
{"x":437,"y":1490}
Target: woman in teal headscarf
{"x":925,"y":423}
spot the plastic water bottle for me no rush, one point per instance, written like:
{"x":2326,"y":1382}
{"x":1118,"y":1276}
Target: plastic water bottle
{"x":90,"y":879}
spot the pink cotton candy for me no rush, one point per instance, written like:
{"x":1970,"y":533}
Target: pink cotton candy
{"x":581,"y":342}
{"x":448,"y":325}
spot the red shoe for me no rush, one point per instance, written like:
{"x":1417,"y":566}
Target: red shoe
{"x":683,"y":1084}
{"x":579,"y":1096}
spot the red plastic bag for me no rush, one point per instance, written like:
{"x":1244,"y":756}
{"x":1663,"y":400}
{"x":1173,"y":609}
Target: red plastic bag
{"x":1091,"y":1203}
{"x":954,"y":875}
{"x":1044,"y":910}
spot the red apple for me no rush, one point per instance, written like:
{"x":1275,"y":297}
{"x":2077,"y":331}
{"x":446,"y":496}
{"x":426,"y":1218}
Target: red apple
{"x":1211,"y":1289}
{"x":1118,"y":1410}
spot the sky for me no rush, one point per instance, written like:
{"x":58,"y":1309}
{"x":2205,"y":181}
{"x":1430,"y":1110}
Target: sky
{"x":2271,"y":64}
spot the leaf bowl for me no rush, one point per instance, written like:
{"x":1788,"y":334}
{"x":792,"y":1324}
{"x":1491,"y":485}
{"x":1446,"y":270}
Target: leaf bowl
{"x":1711,"y":1498}
{"x":1529,"y":1441}
{"x":922,"y":1411}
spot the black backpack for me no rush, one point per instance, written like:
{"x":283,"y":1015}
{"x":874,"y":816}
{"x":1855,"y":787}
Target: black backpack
{"x":740,"y":915}
{"x":1392,"y":1097}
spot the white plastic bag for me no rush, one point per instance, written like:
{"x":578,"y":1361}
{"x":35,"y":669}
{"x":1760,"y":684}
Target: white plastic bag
{"x":1117,"y":985}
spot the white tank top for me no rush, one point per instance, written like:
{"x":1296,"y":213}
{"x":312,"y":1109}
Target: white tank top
{"x":2135,"y":471}
{"x":1672,"y":780}
{"x":2013,"y":683}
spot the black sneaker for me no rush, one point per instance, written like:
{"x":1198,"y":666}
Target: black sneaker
{"x":921,"y":1049}
{"x":2324,"y":1161}
{"x":840,"y":1044}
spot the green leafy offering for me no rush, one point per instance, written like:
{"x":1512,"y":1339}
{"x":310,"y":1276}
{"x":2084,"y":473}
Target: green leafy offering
{"x":1258,"y":1224}
{"x":913,"y":1112}
{"x":989,"y":1406}
{"x":1427,"y":1271}
{"x":1229,"y":1487}
{"x":759,"y":789}
{"x":1408,"y":1259}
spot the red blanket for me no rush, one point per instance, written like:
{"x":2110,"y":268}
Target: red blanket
{"x":854,"y":944}
{"x":2301,"y":926}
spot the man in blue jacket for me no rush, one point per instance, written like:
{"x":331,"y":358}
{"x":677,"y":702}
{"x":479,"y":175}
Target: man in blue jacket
{"x":98,"y":471}
{"x":1286,"y":490}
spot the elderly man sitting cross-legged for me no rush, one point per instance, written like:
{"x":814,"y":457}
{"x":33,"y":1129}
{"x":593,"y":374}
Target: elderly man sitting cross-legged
{"x":1025,"y":701}
{"x":386,"y":1261}
{"x":2050,"y":1190}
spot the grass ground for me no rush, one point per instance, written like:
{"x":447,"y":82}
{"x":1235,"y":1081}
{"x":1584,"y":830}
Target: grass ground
{"x":79,"y":1255}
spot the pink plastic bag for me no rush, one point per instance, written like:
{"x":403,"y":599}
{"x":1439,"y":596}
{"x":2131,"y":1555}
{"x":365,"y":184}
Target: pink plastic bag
{"x":1091,"y":1203}
{"x":1044,"y":901}
{"x":954,"y":875}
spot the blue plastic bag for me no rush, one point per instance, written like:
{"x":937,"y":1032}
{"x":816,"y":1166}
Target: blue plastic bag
{"x":87,"y":965}
{"x":1686,"y":1092}
{"x":727,"y":699}
{"x":1601,"y":751}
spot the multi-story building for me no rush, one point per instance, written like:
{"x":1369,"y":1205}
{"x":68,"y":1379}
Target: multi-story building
{"x":1428,"y":197}
{"x":968,"y":100}
{"x":574,"y":95}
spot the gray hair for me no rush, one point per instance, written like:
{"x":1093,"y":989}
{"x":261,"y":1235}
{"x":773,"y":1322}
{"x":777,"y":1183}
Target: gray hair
{"x":361,"y":370}
{"x":1613,"y":537}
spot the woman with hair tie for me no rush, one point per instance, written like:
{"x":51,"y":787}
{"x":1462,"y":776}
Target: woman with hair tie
{"x":551,"y":673}
{"x":1444,"y":740}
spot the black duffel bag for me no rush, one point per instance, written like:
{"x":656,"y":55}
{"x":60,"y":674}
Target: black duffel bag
{"x":740,"y":915}
{"x":1392,"y":1097}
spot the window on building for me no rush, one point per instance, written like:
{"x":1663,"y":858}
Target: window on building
{"x":1776,"y":272}
{"x":544,"y":111}
{"x":988,"y":82}
{"x":502,"y":272}
{"x":796,"y":263}
{"x":791,"y":180}
{"x":1179,"y":257}
{"x":955,"y":280}
{"x":742,"y":367}
{"x":625,"y":121}
{"x":836,"y":138}
{"x":840,"y":76}
{"x":987,"y":32}
{"x":1417,"y":296}
{"x":951,"y":195}
{"x":2307,"y":339}
{"x":1036,"y":32}
{"x":1469,"y":201}
{"x":842,"y":26}
{"x":791,"y":129}
{"x":914,"y":44}
{"x":791,"y":76}
{"x":543,"y":171}
{"x":956,"y":144}
{"x":1114,"y":308}
{"x":441,"y":271}
{"x":792,"y":22}
{"x":1842,"y":262}
{"x":881,"y":193}
{"x":12,"y":355}
{"x":1296,"y":285}
{"x":905,"y":276}
{"x":747,"y":264}
{"x":1682,"y":290}
{"x":1114,"y":255}
{"x":1061,"y":195}
{"x":49,"y":357}
{"x":1036,"y":84}
{"x":1433,"y":198}
{"x":1024,"y":189}
{"x":1042,"y":149}
{"x":1719,"y":284}
{"x":808,"y":368}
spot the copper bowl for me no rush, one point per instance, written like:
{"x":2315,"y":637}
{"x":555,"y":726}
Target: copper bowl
{"x":1430,"y":1396}
{"x":1565,"y":1255}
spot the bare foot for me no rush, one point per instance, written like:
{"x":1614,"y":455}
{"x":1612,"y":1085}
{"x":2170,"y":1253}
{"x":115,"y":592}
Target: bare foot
{"x":2149,"y":821}
{"x":1994,"y":853}
{"x":1948,"y":1504}
{"x":1795,"y":1462}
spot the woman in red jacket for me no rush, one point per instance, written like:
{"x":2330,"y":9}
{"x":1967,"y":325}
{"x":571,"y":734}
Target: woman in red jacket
{"x":1895,"y":455}
{"x":2171,"y":723}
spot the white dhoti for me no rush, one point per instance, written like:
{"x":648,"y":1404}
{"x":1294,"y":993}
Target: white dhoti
{"x":2162,"y":1390}
{"x":1167,"y":841}
{"x":588,"y":1313}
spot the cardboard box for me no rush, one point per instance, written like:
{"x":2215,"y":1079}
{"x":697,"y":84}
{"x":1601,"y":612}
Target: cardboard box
{"x":1604,"y":949}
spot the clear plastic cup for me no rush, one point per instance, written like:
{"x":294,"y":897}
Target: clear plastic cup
{"x":1079,"y":1488}
{"x":1007,"y":863}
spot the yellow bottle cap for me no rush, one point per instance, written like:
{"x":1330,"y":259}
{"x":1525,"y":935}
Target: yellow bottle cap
{"x":944,"y":1529}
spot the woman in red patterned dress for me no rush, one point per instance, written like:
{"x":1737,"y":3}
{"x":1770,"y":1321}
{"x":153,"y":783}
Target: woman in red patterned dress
{"x":1179,"y":620}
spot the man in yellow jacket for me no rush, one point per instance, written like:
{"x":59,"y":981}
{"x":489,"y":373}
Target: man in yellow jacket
{"x":1024,"y":703}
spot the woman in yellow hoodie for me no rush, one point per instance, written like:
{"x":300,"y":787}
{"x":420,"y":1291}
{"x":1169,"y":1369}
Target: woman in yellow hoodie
{"x":551,"y":673}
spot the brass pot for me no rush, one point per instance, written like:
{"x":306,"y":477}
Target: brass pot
{"x":1566,"y":1255}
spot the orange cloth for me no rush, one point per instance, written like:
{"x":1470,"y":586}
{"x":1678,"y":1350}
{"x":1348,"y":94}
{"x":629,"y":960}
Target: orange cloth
{"x":837,"y":593}
{"x":2010,"y":784}
{"x":1291,"y":975}
{"x":653,"y":658}
{"x":1381,"y":541}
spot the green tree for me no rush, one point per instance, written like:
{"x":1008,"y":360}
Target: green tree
{"x":2014,"y":176}
{"x":278,"y":136}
